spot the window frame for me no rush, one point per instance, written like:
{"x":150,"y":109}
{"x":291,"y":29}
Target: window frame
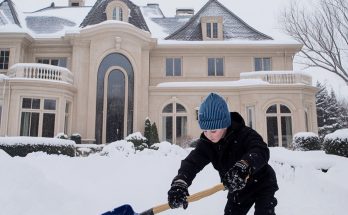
{"x":214,"y":73}
{"x":262,"y":64}
{"x":41,"y":111}
{"x":4,"y":59}
{"x":174,"y":72}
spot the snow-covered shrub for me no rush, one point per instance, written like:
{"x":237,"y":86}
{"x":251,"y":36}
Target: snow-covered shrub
{"x":306,"y":141}
{"x":62,"y":136}
{"x":21,"y":146}
{"x":76,"y":138}
{"x":337,"y":143}
{"x":120,"y":147}
{"x":84,"y":150}
{"x":138,"y":140}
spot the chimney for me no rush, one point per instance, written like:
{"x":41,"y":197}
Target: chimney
{"x":184,"y":12}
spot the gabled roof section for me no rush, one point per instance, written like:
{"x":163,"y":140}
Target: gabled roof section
{"x":234,"y":28}
{"x":8,"y":14}
{"x":97,"y":14}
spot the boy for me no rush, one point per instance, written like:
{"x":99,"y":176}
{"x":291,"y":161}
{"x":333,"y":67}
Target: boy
{"x":237,"y":152}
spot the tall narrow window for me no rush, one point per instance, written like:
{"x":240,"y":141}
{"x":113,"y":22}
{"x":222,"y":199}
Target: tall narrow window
{"x":67,"y":118}
{"x":251,"y":116}
{"x":262,"y":64}
{"x":174,"y":123}
{"x":279,"y":125}
{"x":173,"y":66}
{"x":215,"y":66}
{"x":4,"y":58}
{"x":117,"y":14}
{"x":212,"y":30}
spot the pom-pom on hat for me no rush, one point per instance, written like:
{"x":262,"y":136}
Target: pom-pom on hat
{"x":213,"y":113}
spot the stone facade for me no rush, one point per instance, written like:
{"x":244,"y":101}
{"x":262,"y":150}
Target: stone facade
{"x":111,"y":75}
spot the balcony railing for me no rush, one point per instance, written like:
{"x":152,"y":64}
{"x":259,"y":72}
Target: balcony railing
{"x":40,"y":71}
{"x":279,"y":77}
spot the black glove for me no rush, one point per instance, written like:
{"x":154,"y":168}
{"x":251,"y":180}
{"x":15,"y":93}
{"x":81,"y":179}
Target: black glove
{"x":177,"y":195}
{"x":236,"y":178}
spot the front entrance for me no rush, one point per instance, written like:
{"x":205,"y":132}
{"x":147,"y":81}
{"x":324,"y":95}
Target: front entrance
{"x":115,"y":99}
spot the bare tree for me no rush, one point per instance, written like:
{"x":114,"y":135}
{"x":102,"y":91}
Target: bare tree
{"x":323,"y":31}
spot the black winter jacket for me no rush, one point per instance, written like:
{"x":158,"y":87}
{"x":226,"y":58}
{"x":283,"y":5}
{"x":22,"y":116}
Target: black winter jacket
{"x":239,"y":143}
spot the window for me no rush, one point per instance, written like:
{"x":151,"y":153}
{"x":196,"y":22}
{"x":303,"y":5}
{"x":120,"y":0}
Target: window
{"x":62,"y":62}
{"x":117,"y":14}
{"x":279,"y":125}
{"x":75,"y":4}
{"x":4,"y":58}
{"x":250,"y":116}
{"x":174,"y":123}
{"x":67,"y":118}
{"x":38,"y":117}
{"x":117,"y":10}
{"x":212,"y":30}
{"x":215,"y":66}
{"x":0,"y":114}
{"x":262,"y":64}
{"x":173,"y":67}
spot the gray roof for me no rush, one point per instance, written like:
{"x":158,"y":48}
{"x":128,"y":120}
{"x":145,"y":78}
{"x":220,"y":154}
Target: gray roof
{"x":97,"y":14}
{"x":8,"y":13}
{"x":233,"y":26}
{"x":170,"y":24}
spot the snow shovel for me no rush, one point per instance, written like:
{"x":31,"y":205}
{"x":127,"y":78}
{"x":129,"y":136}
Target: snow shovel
{"x":128,"y":210}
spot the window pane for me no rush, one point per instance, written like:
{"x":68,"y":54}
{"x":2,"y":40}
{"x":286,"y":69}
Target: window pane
{"x":258,"y":64}
{"x":169,"y":67}
{"x":177,"y":67}
{"x":306,"y":121}
{"x":26,"y":103}
{"x":272,"y":131}
{"x":284,"y":109}
{"x":215,"y":30}
{"x":286,"y":131}
{"x":209,"y":30}
{"x":62,"y":62}
{"x":36,"y":104}
{"x":168,"y":108}
{"x":0,"y":114}
{"x":54,"y":62}
{"x":250,"y":116}
{"x":114,"y":12}
{"x":267,"y":64}
{"x":272,"y":109}
{"x":180,"y":108}
{"x":120,"y":15}
{"x":48,"y":125}
{"x":211,"y":66}
{"x":181,"y":129}
{"x":25,"y":123}
{"x":219,"y":66}
{"x":34,"y":125}
{"x":168,"y":128}
{"x":50,"y":104}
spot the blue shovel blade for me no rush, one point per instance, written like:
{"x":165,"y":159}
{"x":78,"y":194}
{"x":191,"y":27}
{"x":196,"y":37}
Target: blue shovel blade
{"x":122,"y":210}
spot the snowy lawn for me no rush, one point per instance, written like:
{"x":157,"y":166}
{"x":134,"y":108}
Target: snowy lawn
{"x":60,"y":185}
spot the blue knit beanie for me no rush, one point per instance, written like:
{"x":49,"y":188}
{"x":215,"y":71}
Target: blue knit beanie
{"x":213,"y":113}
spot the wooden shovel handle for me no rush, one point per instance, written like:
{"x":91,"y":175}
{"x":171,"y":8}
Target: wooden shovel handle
{"x":191,"y":198}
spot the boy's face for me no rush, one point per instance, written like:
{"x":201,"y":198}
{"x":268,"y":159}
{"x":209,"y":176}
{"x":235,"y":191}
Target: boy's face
{"x":215,"y":135}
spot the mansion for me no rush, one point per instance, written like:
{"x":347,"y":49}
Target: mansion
{"x":101,"y":70}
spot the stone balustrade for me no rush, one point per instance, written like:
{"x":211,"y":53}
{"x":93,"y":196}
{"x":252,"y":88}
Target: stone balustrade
{"x":40,"y":71}
{"x":279,"y":77}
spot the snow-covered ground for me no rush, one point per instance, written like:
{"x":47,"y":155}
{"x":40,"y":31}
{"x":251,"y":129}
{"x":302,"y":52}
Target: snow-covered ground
{"x":56,"y":185}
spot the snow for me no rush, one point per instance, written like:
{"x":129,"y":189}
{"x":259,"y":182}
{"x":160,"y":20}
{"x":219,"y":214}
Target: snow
{"x":55,"y":184}
{"x":338,"y":134}
{"x":239,"y":83}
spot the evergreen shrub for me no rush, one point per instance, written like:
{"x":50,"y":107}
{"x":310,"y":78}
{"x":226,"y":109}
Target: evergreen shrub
{"x":337,"y":143}
{"x":306,"y":141}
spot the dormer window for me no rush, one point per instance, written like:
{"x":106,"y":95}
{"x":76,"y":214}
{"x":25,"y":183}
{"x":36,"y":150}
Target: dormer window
{"x":212,"y":27}
{"x":76,"y":3}
{"x":117,"y":10}
{"x":117,"y":14}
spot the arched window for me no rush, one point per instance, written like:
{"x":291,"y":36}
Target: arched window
{"x":117,"y":14}
{"x":174,"y":123}
{"x":279,"y":125}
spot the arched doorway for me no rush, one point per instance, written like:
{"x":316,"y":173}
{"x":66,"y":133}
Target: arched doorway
{"x":115,"y":98}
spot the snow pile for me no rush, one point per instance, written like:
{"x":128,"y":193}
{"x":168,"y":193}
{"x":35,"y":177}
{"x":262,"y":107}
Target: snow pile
{"x":35,"y":141}
{"x":341,"y":134}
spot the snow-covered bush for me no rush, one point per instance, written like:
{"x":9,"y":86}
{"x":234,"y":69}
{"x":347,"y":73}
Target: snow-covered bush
{"x":21,"y":146}
{"x":306,"y":141}
{"x":62,"y":136}
{"x":84,"y":150}
{"x":337,"y":143}
{"x":120,"y":147}
{"x":138,"y":140}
